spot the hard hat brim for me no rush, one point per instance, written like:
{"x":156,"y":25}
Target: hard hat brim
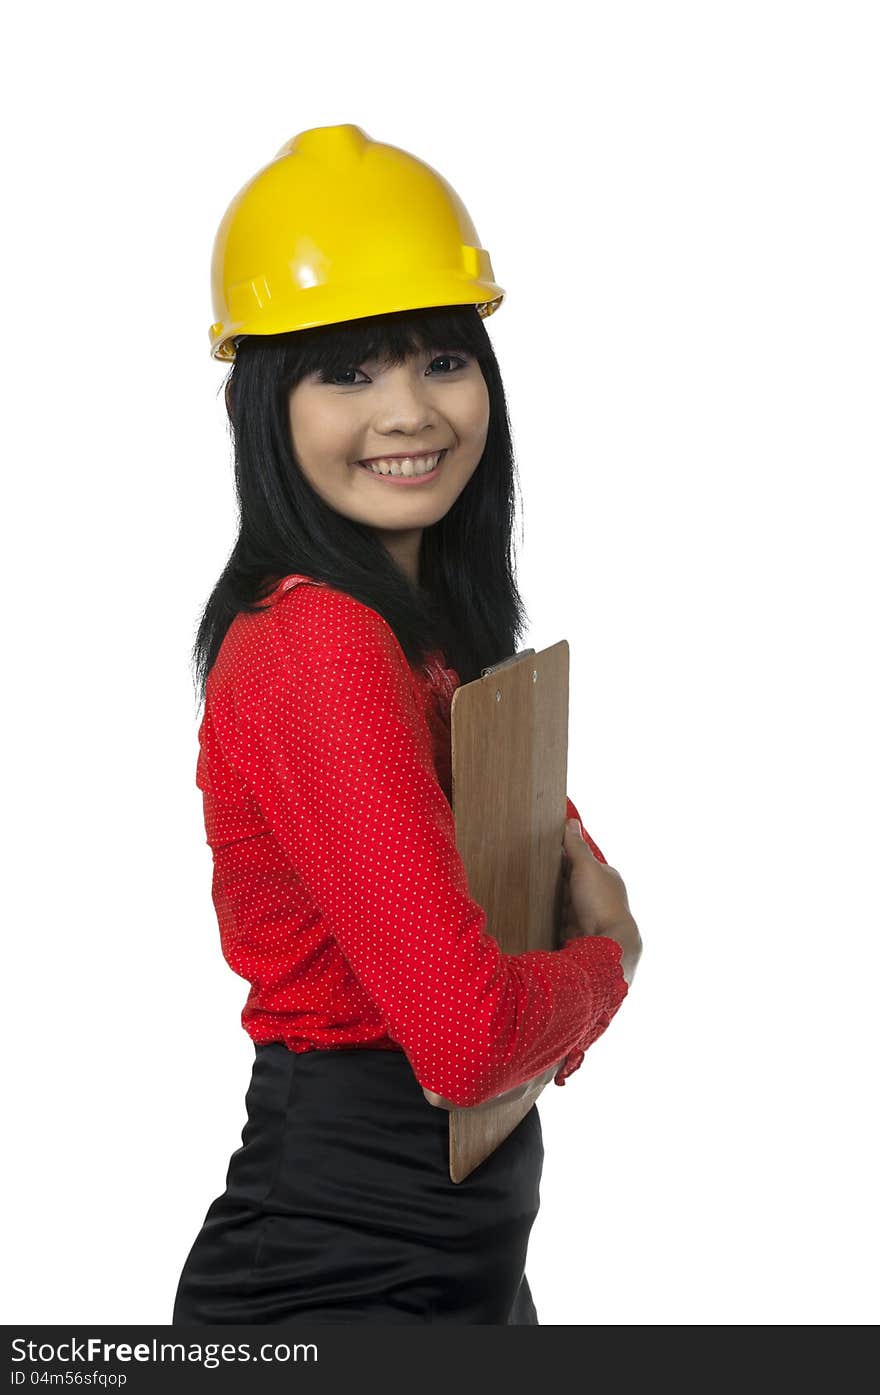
{"x":338,"y":304}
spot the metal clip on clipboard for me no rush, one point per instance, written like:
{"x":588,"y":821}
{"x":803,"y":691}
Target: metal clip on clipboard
{"x":505,"y":663}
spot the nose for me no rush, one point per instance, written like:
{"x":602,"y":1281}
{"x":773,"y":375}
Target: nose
{"x":404,"y":403}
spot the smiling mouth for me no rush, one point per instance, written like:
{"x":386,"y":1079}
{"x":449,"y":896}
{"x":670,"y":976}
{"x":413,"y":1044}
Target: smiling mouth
{"x":406,"y":467}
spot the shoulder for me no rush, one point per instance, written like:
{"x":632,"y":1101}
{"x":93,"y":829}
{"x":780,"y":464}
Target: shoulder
{"x":303,"y":622}
{"x":311,"y":617}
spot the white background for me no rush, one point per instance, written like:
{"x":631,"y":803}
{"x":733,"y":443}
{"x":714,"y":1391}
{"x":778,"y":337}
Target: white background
{"x":681,"y":202}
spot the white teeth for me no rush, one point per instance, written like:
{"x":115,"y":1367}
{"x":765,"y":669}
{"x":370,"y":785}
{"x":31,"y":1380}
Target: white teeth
{"x":409,"y":465}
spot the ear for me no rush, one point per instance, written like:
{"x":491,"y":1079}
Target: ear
{"x":228,"y":396}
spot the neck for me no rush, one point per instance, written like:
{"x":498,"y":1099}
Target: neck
{"x":403,"y":548}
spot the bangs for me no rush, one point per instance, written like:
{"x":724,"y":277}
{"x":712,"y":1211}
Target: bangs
{"x":388,"y":339}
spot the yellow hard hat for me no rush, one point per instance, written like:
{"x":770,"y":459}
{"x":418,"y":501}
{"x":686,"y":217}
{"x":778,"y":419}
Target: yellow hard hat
{"x":336,"y":227}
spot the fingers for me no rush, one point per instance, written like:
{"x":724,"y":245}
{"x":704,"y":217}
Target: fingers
{"x":574,"y":837}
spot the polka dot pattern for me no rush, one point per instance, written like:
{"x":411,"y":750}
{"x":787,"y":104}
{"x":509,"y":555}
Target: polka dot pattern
{"x":341,"y":898}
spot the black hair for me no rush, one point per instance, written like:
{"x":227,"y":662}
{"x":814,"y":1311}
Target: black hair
{"x":466,"y":602}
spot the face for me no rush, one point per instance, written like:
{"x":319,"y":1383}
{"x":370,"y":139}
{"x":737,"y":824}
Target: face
{"x":373,"y":411}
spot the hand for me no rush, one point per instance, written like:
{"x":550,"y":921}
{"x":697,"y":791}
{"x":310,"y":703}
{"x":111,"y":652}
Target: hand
{"x":594,"y":900}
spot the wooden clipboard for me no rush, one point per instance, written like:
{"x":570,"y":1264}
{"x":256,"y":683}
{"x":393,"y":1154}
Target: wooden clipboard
{"x":509,"y":778}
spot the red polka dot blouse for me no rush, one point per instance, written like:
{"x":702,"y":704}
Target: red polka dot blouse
{"x":324,"y":765}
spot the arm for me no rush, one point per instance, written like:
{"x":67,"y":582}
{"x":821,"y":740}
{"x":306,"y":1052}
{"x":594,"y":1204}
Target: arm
{"x":334,"y":747}
{"x":574,"y":1059}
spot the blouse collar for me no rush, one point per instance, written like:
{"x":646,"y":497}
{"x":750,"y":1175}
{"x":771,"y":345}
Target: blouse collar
{"x":440,"y":675}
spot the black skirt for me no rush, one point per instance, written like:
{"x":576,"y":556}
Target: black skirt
{"x":339,"y":1206}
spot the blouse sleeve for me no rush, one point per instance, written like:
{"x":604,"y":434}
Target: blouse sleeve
{"x":334,"y":747}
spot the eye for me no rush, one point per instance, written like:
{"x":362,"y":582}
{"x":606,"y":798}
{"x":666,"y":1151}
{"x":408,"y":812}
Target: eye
{"x":328,"y":375}
{"x":332,"y":376}
{"x":441,"y":358}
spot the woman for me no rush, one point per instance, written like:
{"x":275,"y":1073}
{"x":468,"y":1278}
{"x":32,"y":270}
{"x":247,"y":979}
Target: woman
{"x":371,"y":575}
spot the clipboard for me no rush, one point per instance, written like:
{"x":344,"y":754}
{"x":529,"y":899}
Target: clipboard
{"x":509,"y":780}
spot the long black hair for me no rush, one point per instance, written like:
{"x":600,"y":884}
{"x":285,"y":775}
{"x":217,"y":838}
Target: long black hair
{"x":466,"y":602}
